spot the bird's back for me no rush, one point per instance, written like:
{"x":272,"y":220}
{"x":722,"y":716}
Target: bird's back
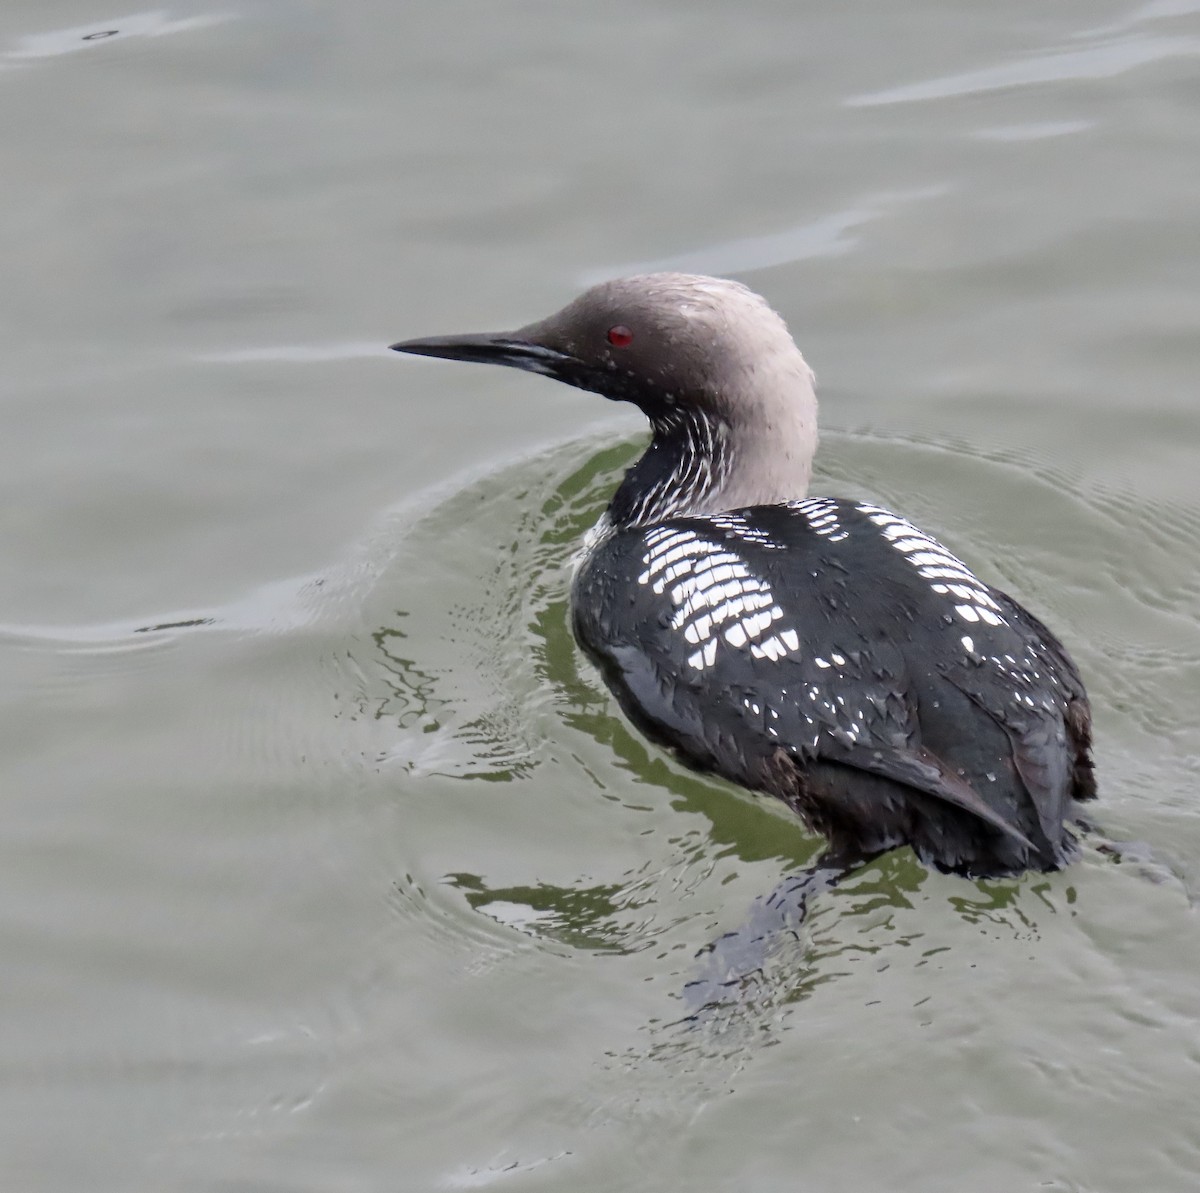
{"x":829,"y":653}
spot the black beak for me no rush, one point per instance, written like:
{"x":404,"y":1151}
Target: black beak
{"x":503,"y":348}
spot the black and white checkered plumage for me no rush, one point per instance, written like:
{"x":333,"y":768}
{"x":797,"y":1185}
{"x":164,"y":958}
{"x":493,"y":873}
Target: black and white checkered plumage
{"x":829,"y":653}
{"x":823,"y":651}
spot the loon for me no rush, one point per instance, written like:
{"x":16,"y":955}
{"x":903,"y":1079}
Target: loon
{"x":822,"y":650}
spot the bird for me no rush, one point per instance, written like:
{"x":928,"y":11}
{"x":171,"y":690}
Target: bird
{"x":821,"y":650}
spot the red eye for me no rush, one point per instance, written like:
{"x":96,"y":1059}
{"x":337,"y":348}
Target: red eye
{"x":620,"y":336}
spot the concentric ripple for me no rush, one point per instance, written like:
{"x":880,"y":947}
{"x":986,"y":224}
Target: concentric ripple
{"x":475,"y":675}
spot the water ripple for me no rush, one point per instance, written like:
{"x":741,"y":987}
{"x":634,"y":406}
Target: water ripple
{"x":1094,"y":62}
{"x":829,"y":236}
{"x":102,"y":33}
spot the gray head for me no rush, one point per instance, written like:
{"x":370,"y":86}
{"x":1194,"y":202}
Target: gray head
{"x":709,"y":363}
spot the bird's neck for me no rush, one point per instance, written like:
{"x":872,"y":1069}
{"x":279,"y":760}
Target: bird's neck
{"x":698,"y":463}
{"x":679,"y":472}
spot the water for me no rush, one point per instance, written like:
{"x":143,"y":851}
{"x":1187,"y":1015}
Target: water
{"x":325,"y":861}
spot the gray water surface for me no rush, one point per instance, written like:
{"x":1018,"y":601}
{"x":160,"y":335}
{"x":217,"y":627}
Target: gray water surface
{"x":325,"y":860}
